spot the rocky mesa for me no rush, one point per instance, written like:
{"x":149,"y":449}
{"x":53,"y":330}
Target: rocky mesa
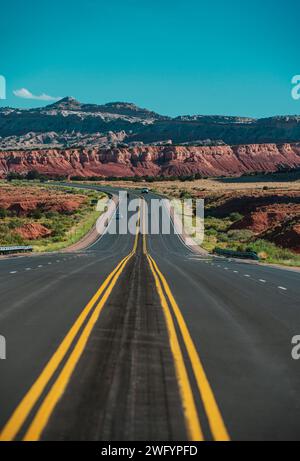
{"x":205,"y":161}
{"x":68,"y":123}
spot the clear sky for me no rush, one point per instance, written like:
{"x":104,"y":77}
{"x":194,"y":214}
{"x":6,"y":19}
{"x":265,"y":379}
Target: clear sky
{"x":232,"y":57}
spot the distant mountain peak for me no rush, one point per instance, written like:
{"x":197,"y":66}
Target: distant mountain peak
{"x":86,"y":124}
{"x":68,"y":99}
{"x":66,"y":103}
{"x":130,"y":109}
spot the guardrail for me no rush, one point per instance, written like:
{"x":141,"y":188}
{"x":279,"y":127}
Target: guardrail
{"x":15,"y":249}
{"x":237,"y":254}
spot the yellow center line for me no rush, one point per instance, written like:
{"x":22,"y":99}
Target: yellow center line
{"x":19,"y":416}
{"x":43,"y":414}
{"x":214,"y":416}
{"x":187,"y":398}
{"x":188,"y":403}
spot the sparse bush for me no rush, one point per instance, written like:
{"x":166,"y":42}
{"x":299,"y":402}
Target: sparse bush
{"x":36,"y":214}
{"x":211,"y":232}
{"x":235,"y":216}
{"x":184,"y":194}
{"x":220,"y":225}
{"x":241,"y":235}
{"x":3,"y":213}
{"x":223,"y":237}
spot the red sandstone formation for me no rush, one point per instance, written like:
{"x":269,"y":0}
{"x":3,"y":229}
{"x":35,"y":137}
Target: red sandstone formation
{"x":33,"y":231}
{"x":287,"y":237}
{"x":271,"y":215}
{"x":24,"y":200}
{"x":267,"y":217}
{"x":154,"y":160}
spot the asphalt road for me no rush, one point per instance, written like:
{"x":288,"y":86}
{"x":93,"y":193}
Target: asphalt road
{"x":139,"y":338}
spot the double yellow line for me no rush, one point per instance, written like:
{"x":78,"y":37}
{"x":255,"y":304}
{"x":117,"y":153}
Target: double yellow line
{"x":42,"y":402}
{"x":44,"y":411}
{"x":170,"y":306}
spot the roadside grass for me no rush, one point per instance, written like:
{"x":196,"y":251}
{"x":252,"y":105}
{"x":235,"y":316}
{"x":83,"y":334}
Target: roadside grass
{"x":219,"y":234}
{"x":66,"y":228}
{"x":66,"y":235}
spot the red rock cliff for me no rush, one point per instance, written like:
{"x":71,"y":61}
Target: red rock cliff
{"x":154,"y":160}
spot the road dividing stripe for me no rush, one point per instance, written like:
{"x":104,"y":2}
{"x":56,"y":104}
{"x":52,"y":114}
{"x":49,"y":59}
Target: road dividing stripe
{"x":188,"y":403}
{"x":19,"y":416}
{"x":189,"y":407}
{"x":216,"y":423}
{"x":43,"y":414}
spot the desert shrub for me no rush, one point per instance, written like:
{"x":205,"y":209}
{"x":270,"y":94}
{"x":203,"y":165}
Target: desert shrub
{"x":36,"y":214}
{"x":220,"y":225}
{"x":3,"y":213}
{"x":211,"y":232}
{"x":57,"y":228}
{"x":9,"y":238}
{"x":235,"y":216}
{"x":223,"y":237}
{"x":56,"y":239}
{"x":14,"y":223}
{"x":184,"y":194}
{"x":241,"y":235}
{"x":51,"y":215}
{"x":33,"y":175}
{"x":14,"y":176}
{"x":271,"y":250}
{"x":268,"y":251}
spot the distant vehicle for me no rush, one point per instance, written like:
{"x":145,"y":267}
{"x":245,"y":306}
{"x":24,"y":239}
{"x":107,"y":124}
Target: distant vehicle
{"x":145,"y":191}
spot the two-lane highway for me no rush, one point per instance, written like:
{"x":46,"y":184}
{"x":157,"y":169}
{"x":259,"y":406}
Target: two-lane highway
{"x":242,"y":318}
{"x":139,"y":338}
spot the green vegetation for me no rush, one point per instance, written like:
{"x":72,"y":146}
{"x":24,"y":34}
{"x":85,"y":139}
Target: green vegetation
{"x":67,"y":230}
{"x":271,"y":253}
{"x":34,"y":175}
{"x":66,"y":227}
{"x":185,"y":195}
{"x":218,"y":234}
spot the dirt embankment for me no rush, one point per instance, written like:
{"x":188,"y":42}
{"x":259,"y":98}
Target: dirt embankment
{"x":274,"y":216}
{"x":24,"y":200}
{"x":34,"y":203}
{"x":33,"y":231}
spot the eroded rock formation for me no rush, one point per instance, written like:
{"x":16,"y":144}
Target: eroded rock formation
{"x":154,"y":160}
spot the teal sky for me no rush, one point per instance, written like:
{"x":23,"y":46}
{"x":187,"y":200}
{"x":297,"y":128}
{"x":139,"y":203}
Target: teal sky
{"x":175,"y":57}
